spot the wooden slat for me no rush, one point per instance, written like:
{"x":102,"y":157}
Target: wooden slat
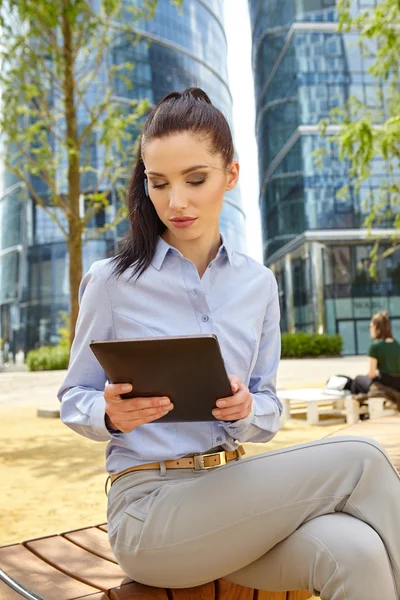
{"x":39,"y":577}
{"x":136,"y":591}
{"x":98,"y":596}
{"x":299,"y":595}
{"x":78,"y":563}
{"x":103,"y":527}
{"x":261,"y":595}
{"x":6,"y":593}
{"x":225,"y":590}
{"x":93,"y":540}
{"x":201,"y":592}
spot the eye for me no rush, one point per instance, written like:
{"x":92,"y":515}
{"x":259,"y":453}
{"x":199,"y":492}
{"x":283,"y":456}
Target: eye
{"x":196,"y":182}
{"x":159,"y":187}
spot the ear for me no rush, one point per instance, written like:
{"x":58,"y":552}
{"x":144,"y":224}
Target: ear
{"x":233,"y":175}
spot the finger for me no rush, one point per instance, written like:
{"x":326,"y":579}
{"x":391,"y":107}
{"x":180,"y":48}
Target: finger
{"x":236,"y":382}
{"x":230,"y":414}
{"x":148,"y":413}
{"x":128,"y":426}
{"x":113,"y":391}
{"x":239,"y":398}
{"x":136,"y":404}
{"x":143,"y":403}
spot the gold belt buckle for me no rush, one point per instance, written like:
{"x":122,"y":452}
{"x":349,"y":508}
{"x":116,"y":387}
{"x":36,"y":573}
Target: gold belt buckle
{"x":199,"y":461}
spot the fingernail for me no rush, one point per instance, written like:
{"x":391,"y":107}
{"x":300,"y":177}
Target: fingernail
{"x":165,"y":402}
{"x":235,"y":387}
{"x":221,"y":403}
{"x":216,"y":413}
{"x":126,"y":388}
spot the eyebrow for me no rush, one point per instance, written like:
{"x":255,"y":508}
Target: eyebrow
{"x":184,"y":172}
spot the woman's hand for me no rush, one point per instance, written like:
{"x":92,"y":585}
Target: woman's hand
{"x":127,"y":414}
{"x":237,"y":406}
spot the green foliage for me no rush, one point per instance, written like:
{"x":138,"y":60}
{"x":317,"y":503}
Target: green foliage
{"x":298,"y":345}
{"x":367,"y":133}
{"x":54,"y":57}
{"x":63,"y":332}
{"x":60,"y":61}
{"x":48,"y":358}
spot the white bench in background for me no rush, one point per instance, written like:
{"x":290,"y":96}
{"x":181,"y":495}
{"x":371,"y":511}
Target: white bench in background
{"x":315,"y":402}
{"x":377,"y":407}
{"x":339,"y":405}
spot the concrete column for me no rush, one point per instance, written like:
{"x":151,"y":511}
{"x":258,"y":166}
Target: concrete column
{"x":289,"y":293}
{"x":317,"y":267}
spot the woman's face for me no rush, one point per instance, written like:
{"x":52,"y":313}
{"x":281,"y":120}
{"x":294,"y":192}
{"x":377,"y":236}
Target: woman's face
{"x":187,"y":184}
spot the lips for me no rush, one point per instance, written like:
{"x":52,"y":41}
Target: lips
{"x":183,"y":222}
{"x":182,"y":219}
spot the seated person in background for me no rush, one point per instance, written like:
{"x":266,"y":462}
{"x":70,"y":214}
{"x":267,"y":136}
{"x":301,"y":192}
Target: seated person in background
{"x":384,"y":358}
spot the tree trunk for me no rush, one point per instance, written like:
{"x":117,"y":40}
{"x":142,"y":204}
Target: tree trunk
{"x":75,"y":276}
{"x":74,"y":220}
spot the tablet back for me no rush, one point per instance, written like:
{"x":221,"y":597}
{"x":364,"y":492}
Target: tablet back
{"x":188,"y":369}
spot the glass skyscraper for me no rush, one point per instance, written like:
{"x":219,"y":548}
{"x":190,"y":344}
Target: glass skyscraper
{"x":176,"y":51}
{"x":314,"y":241}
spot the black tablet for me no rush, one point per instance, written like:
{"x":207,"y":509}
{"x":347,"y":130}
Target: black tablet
{"x":188,"y":369}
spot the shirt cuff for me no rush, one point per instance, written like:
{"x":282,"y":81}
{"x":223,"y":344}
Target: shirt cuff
{"x":235,"y":428}
{"x":98,"y":419}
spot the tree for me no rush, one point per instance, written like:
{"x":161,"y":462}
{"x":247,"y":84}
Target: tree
{"x":369,"y":133}
{"x":54,"y":54}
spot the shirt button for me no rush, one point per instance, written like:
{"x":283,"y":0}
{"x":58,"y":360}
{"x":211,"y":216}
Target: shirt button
{"x":195,"y":292}
{"x":209,"y":266}
{"x":219,"y":439}
{"x":204,"y":318}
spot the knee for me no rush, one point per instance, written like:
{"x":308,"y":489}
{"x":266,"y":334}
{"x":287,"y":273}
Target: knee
{"x":358,"y":449}
{"x":346,"y":539}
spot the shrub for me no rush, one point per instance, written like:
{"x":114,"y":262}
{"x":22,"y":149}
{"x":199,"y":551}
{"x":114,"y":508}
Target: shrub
{"x":295,"y":345}
{"x":48,"y":358}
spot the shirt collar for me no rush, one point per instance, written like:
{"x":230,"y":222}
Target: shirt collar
{"x":163,"y":248}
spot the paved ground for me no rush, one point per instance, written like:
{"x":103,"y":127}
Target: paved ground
{"x":40,"y":388}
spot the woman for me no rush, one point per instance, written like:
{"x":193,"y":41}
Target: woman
{"x":323,"y":516}
{"x":384,"y":357}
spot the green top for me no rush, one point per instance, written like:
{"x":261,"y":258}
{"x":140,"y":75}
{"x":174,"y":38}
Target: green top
{"x":388,"y":356}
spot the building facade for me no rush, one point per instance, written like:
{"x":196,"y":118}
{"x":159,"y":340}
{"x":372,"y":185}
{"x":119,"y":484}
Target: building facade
{"x":176,"y":51}
{"x":314,"y":240}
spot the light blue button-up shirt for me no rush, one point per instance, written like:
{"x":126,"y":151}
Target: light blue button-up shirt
{"x":236,"y":299}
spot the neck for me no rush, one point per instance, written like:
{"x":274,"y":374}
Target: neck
{"x":200,"y":251}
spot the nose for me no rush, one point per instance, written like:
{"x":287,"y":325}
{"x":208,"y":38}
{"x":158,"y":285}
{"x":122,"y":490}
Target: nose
{"x":177,"y":198}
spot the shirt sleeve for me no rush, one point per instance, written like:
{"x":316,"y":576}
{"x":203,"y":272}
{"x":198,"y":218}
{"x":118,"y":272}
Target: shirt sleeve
{"x":262,"y":424}
{"x":82,"y":391}
{"x":373,"y":351}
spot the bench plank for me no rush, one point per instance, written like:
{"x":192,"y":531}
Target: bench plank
{"x":225,"y":590}
{"x":6,"y":593}
{"x":201,"y":592}
{"x":98,"y":596}
{"x":261,"y":595}
{"x":93,"y":540}
{"x":136,"y":591}
{"x":299,"y":595}
{"x":78,"y":563}
{"x":39,"y":577}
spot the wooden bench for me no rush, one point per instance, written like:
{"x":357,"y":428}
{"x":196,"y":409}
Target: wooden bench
{"x":80,"y":564}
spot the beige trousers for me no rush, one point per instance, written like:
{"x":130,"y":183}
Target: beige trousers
{"x":323,"y":516}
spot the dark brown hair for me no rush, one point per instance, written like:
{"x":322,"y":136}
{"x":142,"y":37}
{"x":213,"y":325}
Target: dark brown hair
{"x":381,"y":322}
{"x":192,"y":111}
